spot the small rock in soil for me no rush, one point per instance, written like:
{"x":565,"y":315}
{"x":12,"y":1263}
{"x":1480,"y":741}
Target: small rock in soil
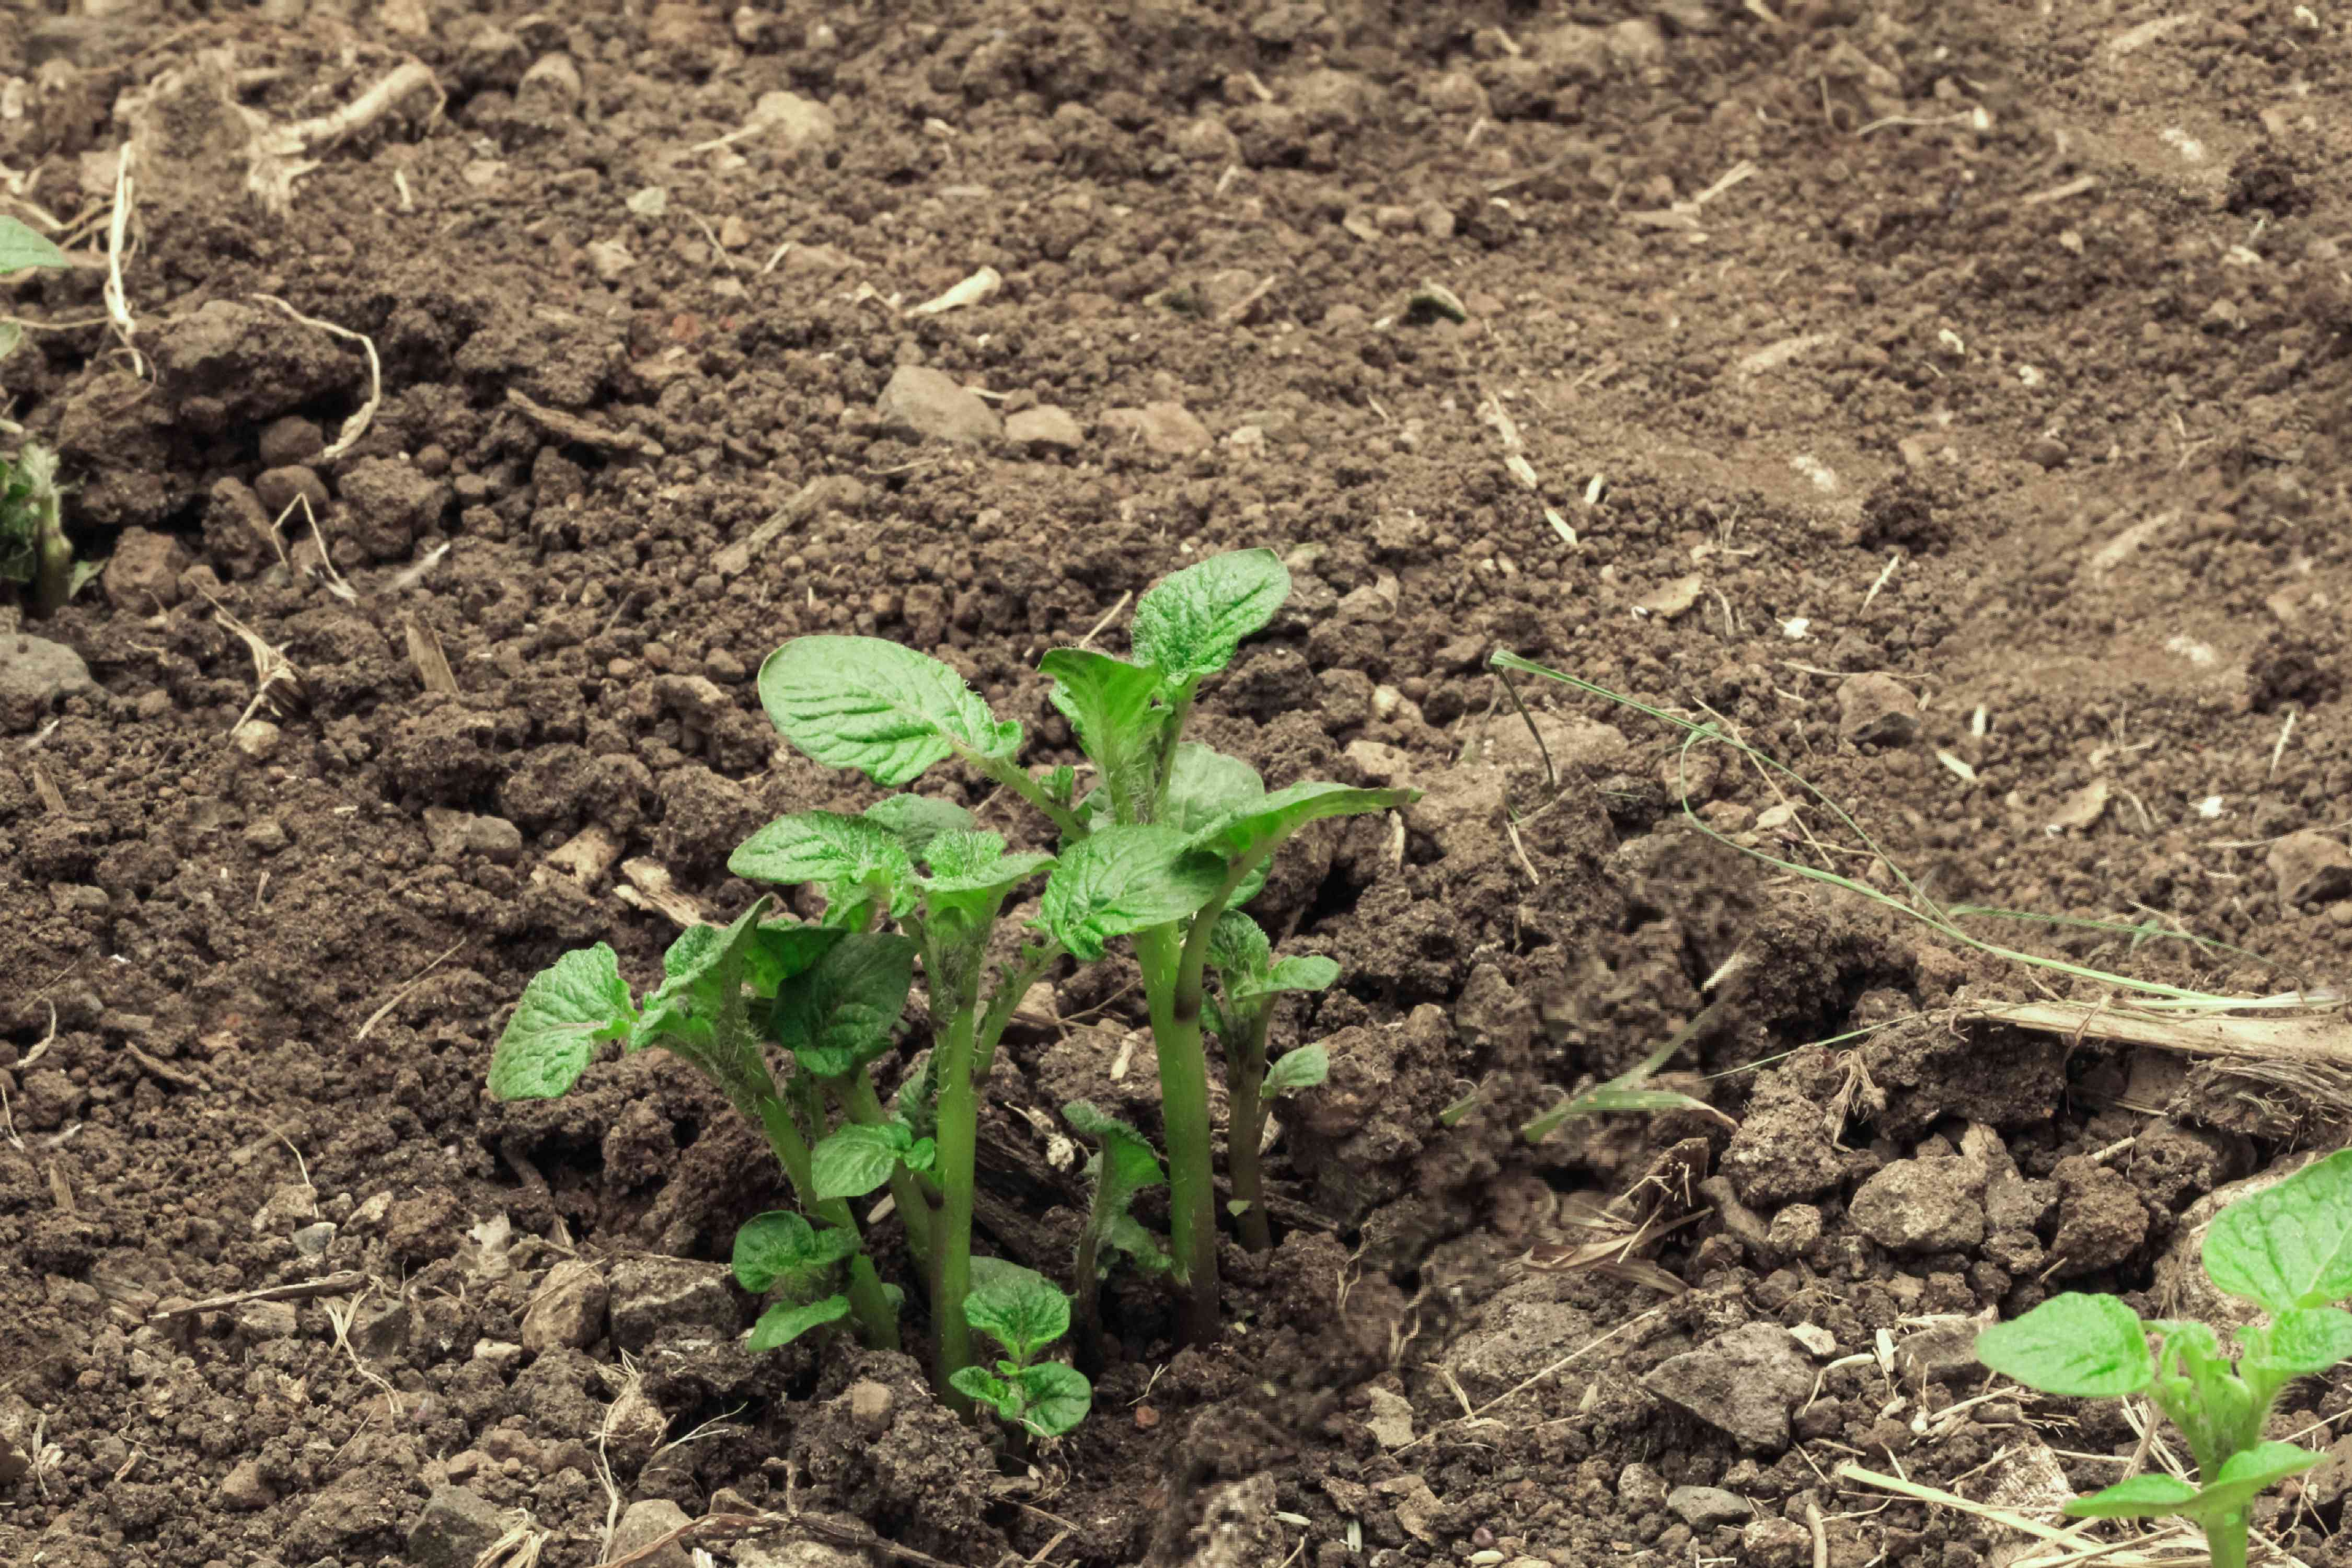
{"x":1781,"y":1152}
{"x":279,"y":488}
{"x":1939,"y":1352}
{"x":2101,"y":1220}
{"x":1704,"y":1508}
{"x":568,"y":1307}
{"x":651,"y":1294}
{"x":142,"y":576}
{"x":292,"y":440}
{"x":312,"y":1240}
{"x":802,"y":1553}
{"x":1922,"y":1205}
{"x":1794,"y":1232}
{"x":457,"y":1527}
{"x":1517,"y":1332}
{"x":50,"y":1098}
{"x":390,"y":503}
{"x":230,"y":362}
{"x":243,"y":1489}
{"x":2310,"y":868}
{"x":457,"y":833}
{"x":1878,"y":710}
{"x":1045,"y":428}
{"x":257,"y":738}
{"x":1744,"y":1383}
{"x":1776,"y":1543}
{"x":869,"y":1406}
{"x":931,"y":404}
{"x":799,"y":124}
{"x":34,"y":673}
{"x":1168,"y":428}
{"x":647,"y":1521}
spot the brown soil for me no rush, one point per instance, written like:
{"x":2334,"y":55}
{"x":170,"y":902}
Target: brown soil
{"x":2002,"y":350}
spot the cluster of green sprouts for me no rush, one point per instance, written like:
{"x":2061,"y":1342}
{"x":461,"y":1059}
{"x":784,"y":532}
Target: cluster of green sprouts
{"x":1162,"y":850}
{"x":35,"y":554}
{"x":2288,"y":1249}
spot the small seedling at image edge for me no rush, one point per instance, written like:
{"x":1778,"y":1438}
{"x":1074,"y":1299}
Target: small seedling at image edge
{"x":2288,"y":1249}
{"x":1170,"y":841}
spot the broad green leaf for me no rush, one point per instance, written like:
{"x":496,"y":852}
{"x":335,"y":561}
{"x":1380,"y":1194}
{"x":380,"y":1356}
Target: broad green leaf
{"x":1309,"y":972}
{"x":1204,"y":785}
{"x":1109,"y":702}
{"x":915,"y":819}
{"x":1124,"y":879}
{"x":853,"y":1161}
{"x":1055,"y":1398}
{"x":1129,"y":1164}
{"x":568,"y":1008}
{"x":839,"y":1014}
{"x":783,"y":1322}
{"x":1019,"y":1308}
{"x":2307,"y":1340}
{"x":2087,"y":1346}
{"x":1128,"y":1236}
{"x":2246,"y":1475}
{"x":921,"y":1154}
{"x":1239,"y":951}
{"x":22,"y":247}
{"x":953,"y":856}
{"x":698,"y":1011}
{"x":982,"y":1386}
{"x":1191,"y":623}
{"x":2148,"y":1496}
{"x":2290,"y":1246}
{"x":1294,"y":1071}
{"x":971,"y":869}
{"x":782,"y":1245}
{"x":884,"y":711}
{"x":1256,"y":829}
{"x":780,"y":951}
{"x":835,"y":852}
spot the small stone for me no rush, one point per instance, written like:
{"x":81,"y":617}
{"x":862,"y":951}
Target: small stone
{"x":801,"y":124}
{"x":457,"y":833}
{"x":869,"y":1406}
{"x":257,"y":738}
{"x":266,"y":836}
{"x":2310,"y":868}
{"x":261,"y":1320}
{"x":1794,"y":1231}
{"x":492,"y":57}
{"x":1704,"y":1508}
{"x":312,"y":1240}
{"x":610,"y":259}
{"x":929,"y":404}
{"x":1744,"y":1383}
{"x":734,"y":234}
{"x":1168,"y":428}
{"x":568,"y":1309}
{"x":1922,"y":1205}
{"x":650,"y":1294}
{"x":1771,"y":1542}
{"x":504,"y":1355}
{"x":243,"y":1489}
{"x":1877,"y":709}
{"x":281,"y":488}
{"x":50,"y":1100}
{"x":1636,"y":44}
{"x":457,"y":1527}
{"x":551,"y":86}
{"x":645,"y":1521}
{"x":144,"y":572}
{"x":289,"y":442}
{"x":1045,"y":428}
{"x":2048,"y":452}
{"x":390,"y":502}
{"x":34,"y":673}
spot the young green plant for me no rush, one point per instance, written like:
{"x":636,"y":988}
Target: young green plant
{"x":1022,"y":1312}
{"x":2288,"y":1249}
{"x":35,"y":553}
{"x":1122,"y":1171}
{"x":1252,"y":983}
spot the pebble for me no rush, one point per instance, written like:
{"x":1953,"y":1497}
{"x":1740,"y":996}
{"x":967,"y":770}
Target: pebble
{"x":243,"y":1489}
{"x":289,"y":442}
{"x":1045,"y":428}
{"x":801,"y":124}
{"x":142,"y":576}
{"x":568,"y":1309}
{"x":2310,"y":868}
{"x":266,"y":836}
{"x":1168,"y":428}
{"x":1704,"y":1508}
{"x":1922,"y":1205}
{"x":457,"y":1527}
{"x":610,"y":259}
{"x":869,"y":1406}
{"x":281,"y":488}
{"x":1744,"y":1383}
{"x":931,"y":404}
{"x":312,"y":1240}
{"x":1877,"y":709}
{"x":645,"y":1521}
{"x":35,"y":672}
{"x":553,"y":85}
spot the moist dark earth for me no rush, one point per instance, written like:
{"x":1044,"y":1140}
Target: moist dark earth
{"x":1952,"y":400}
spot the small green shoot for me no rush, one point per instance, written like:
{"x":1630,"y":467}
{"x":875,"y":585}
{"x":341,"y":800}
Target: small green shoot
{"x":1253,"y":983}
{"x":34,"y":551}
{"x":1123,"y":1170}
{"x":1022,"y":1312}
{"x":2288,"y":1249}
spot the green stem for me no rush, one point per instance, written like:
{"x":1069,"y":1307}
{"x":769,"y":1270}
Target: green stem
{"x":959,"y":1141}
{"x":1185,"y":1118}
{"x":1087,"y":1311}
{"x":2225,"y":1540}
{"x":1246,"y":1129}
{"x":913,"y":1194}
{"x":1015,"y":777}
{"x":1007,"y":1001}
{"x":877,"y":1320}
{"x":53,"y":581}
{"x":1180,"y":709}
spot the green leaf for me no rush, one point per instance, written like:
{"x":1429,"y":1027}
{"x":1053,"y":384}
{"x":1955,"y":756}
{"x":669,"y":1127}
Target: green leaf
{"x":783,"y":1322}
{"x":782,"y":1245}
{"x":1206,"y":785}
{"x":782,"y":950}
{"x":85,"y":572}
{"x":1055,"y":1398}
{"x":1128,"y":1236}
{"x":968,"y":867}
{"x":835,"y":852}
{"x":2087,"y":1346}
{"x":1256,"y":829}
{"x":1191,"y":623}
{"x":2290,"y":1246}
{"x":2249,"y":1473}
{"x":1120,"y":880}
{"x":920,"y":1155}
{"x":1239,"y":951}
{"x":1130,"y":1166}
{"x":955,"y":855}
{"x":853,"y":1161}
{"x":884,"y":711}
{"x":1019,"y":1308}
{"x":2305,"y":1341}
{"x":838,"y":1015}
{"x":568,"y":1007}
{"x":1294,"y":1071}
{"x":2149,"y":1496}
{"x":1309,"y":972}
{"x":1109,"y":703}
{"x":22,"y":247}
{"x":915,"y":820}
{"x":982,"y":1386}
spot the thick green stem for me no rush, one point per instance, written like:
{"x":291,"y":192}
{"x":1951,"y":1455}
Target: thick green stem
{"x":1184,"y":1119}
{"x":1086,"y":1308}
{"x":959,"y":1144}
{"x":877,"y":1320}
{"x":1246,"y":1129}
{"x":2225,"y":1540}
{"x":911,"y":1192}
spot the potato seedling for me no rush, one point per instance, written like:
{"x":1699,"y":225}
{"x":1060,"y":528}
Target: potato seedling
{"x":1171,"y":839}
{"x":1020,"y":1311}
{"x":34,"y":551}
{"x":2288,"y":1249}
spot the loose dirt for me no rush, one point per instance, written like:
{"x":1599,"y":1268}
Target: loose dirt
{"x":1953,"y":399}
